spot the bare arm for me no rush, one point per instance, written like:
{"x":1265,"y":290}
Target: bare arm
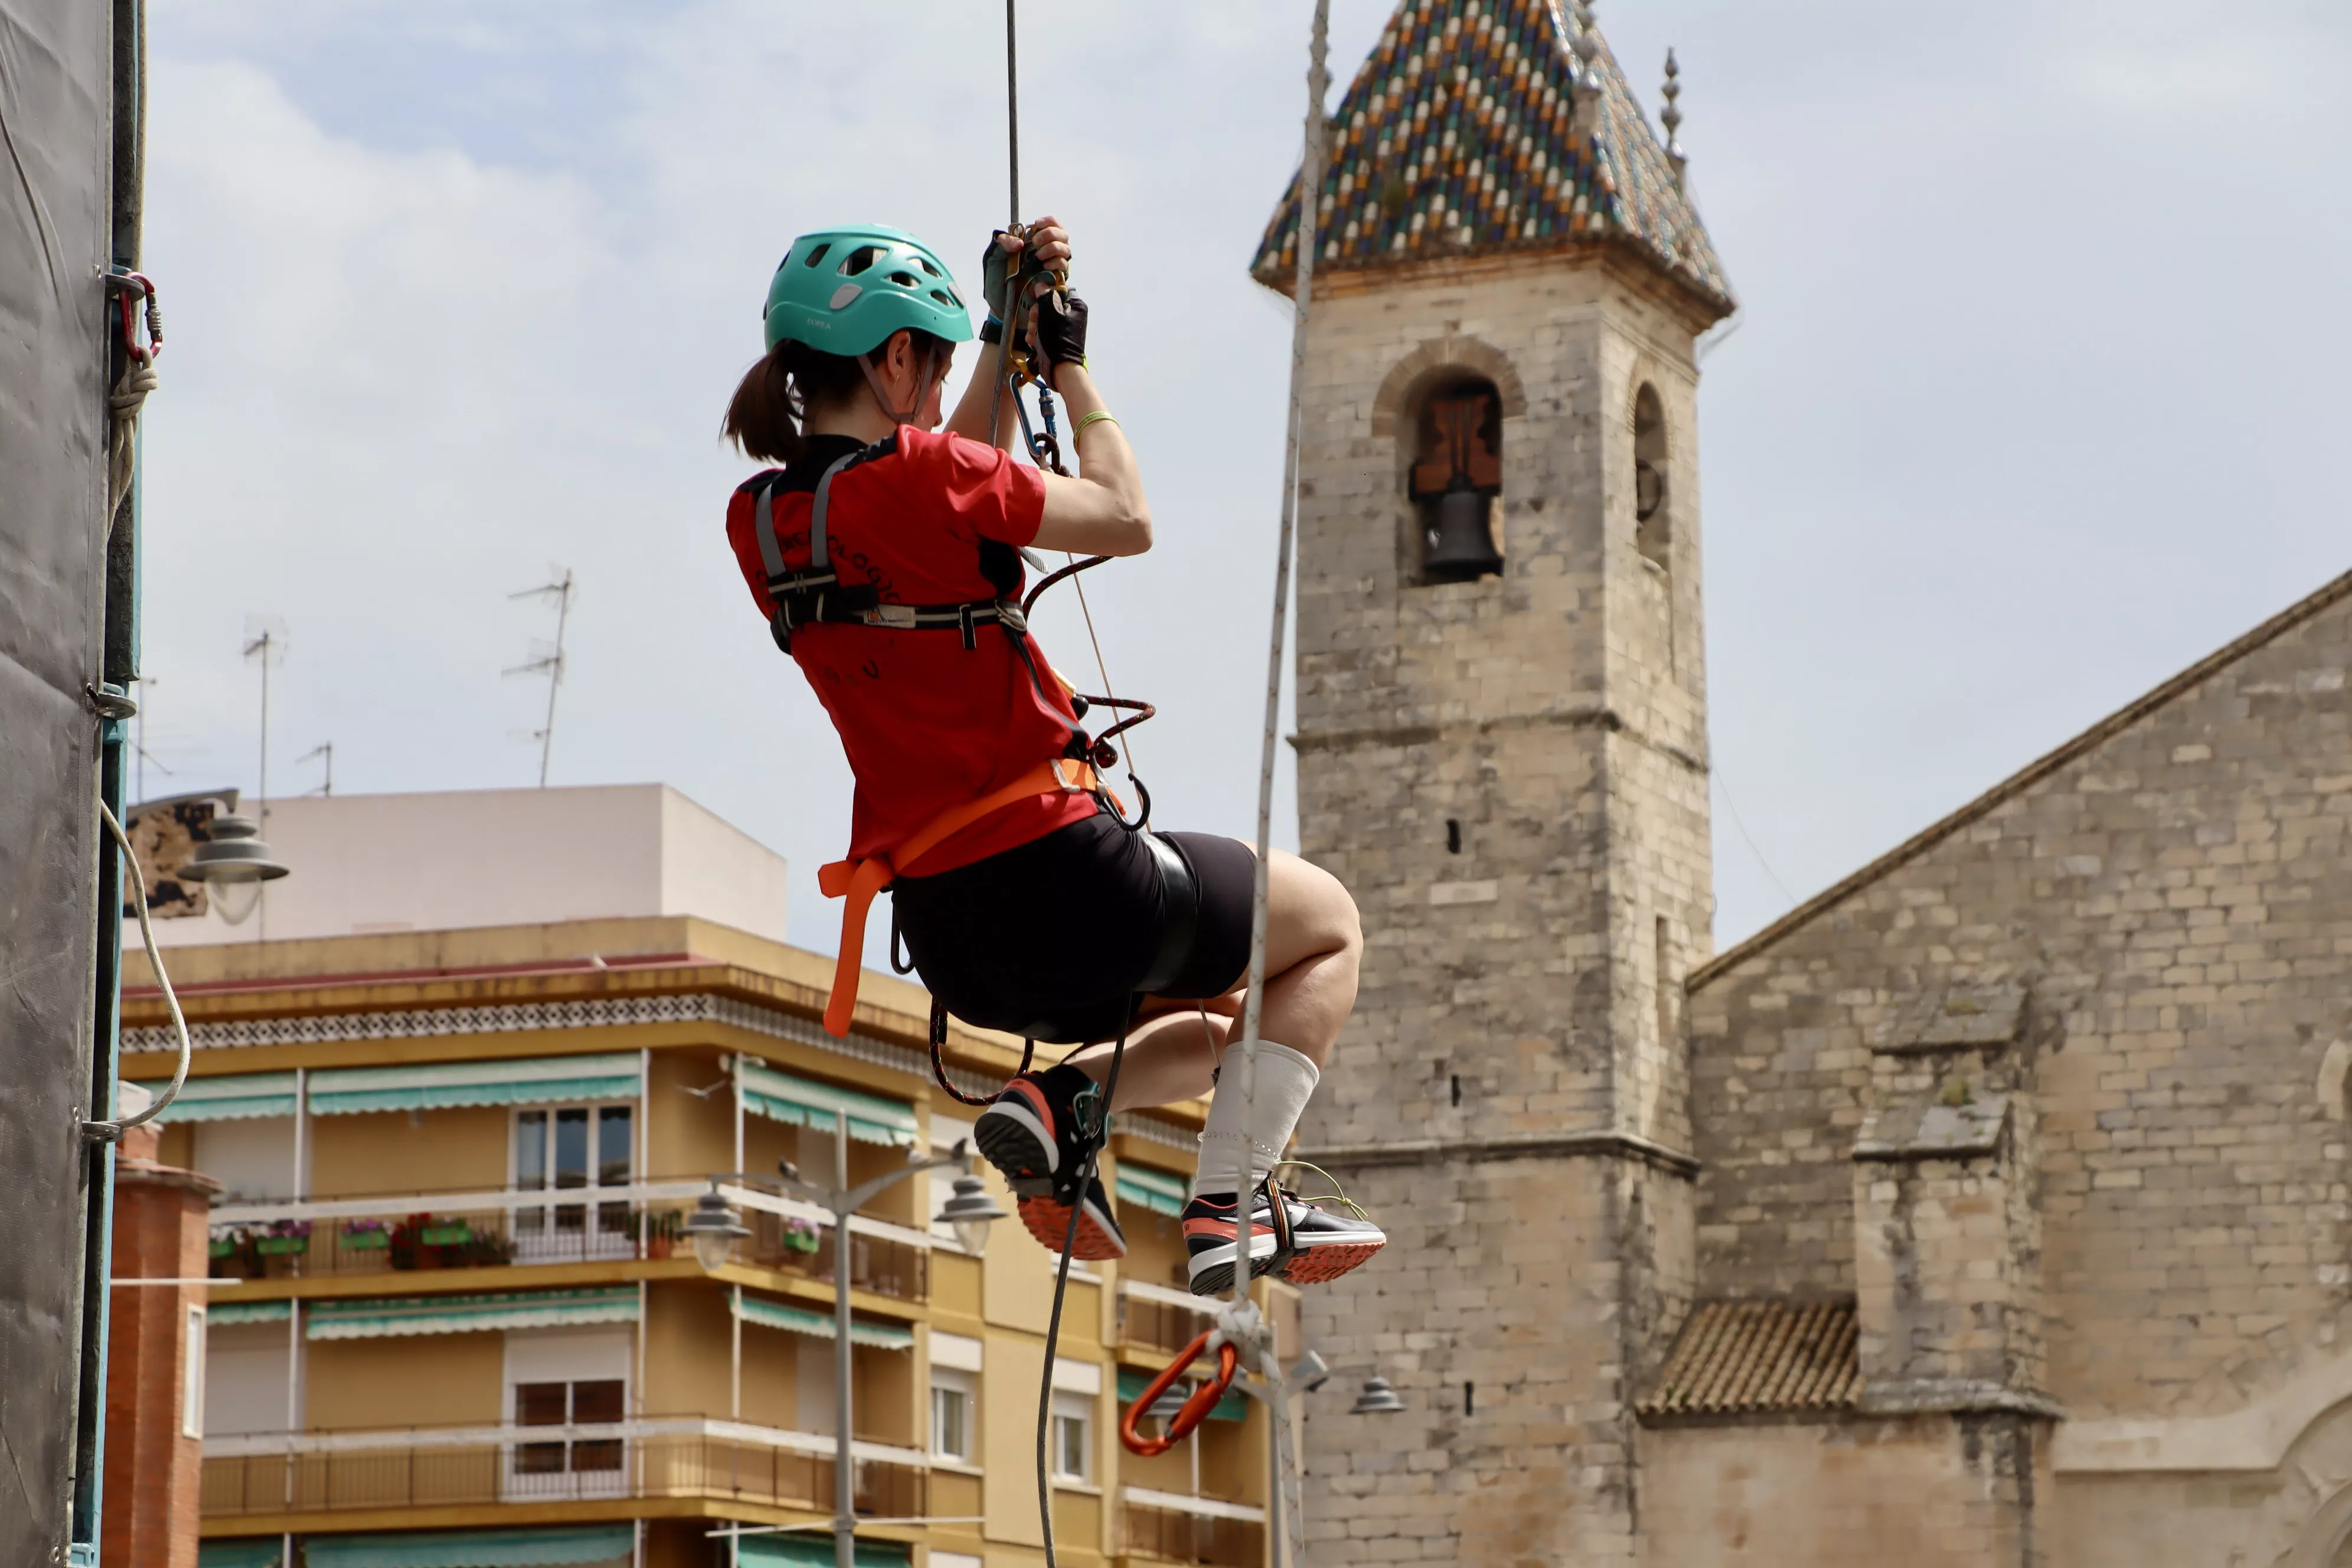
{"x":1103,"y":511}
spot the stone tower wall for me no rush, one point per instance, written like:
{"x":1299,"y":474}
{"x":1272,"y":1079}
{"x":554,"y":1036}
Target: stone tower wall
{"x":1509,"y":1100}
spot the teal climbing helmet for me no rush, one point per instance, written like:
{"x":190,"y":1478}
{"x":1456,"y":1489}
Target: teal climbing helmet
{"x":845,"y":291}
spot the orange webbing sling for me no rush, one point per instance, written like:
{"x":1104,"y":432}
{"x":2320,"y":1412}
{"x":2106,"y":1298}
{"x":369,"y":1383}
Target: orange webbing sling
{"x":861,"y":880}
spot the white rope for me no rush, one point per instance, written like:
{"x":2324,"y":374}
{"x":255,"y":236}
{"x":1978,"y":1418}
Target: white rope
{"x":123,"y":403}
{"x":1310,"y":190}
{"x":106,"y":1131}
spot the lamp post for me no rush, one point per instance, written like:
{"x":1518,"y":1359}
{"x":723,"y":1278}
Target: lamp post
{"x":714,"y":1226}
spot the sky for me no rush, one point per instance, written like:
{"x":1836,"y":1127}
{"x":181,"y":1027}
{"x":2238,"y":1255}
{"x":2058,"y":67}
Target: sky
{"x":2035,"y":396}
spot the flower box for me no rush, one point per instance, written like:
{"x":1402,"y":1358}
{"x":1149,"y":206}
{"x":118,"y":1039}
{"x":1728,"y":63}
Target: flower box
{"x":223,"y":1247}
{"x":280,"y":1246}
{"x":445,"y":1234}
{"x":366,"y":1240}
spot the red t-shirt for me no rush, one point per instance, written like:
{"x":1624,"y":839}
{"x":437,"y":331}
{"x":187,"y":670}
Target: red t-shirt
{"x":927,"y":723}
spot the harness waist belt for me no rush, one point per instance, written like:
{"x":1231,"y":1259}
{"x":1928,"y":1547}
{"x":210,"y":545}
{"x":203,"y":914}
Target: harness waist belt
{"x":859,"y":880}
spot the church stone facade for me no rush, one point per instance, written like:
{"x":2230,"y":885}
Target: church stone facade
{"x":1989,"y":1208}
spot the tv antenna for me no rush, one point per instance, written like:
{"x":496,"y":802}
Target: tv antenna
{"x":147,"y":684}
{"x":547,"y":658}
{"x":265,"y":643}
{"x":325,"y":749}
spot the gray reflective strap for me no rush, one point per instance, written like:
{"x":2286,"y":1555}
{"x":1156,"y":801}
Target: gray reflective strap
{"x":764,"y":510}
{"x":817,"y":561}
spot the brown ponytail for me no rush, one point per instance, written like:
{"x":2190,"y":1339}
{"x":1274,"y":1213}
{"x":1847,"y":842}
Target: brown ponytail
{"x":765,"y":416}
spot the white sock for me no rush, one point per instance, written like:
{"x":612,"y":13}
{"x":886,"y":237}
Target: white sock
{"x":1285,"y":1080}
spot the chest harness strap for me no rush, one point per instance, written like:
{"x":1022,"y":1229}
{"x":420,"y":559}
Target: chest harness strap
{"x":859,"y":880}
{"x":818,"y":594}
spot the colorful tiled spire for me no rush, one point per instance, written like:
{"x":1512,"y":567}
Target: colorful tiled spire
{"x":1461,"y":135}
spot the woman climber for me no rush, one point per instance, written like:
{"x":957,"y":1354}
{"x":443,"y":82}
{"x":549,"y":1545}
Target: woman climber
{"x":885,"y":555}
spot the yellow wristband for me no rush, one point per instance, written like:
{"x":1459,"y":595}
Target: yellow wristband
{"x":1088,"y":419}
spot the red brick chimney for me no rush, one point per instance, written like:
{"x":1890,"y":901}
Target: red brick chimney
{"x":153,"y":1464}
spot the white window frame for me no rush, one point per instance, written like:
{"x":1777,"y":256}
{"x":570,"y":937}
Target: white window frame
{"x":1073,"y":1409}
{"x":192,"y":1373}
{"x":598,"y":1242}
{"x":964,"y":1386}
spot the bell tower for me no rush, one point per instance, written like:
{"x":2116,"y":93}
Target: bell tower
{"x":1502,"y":751}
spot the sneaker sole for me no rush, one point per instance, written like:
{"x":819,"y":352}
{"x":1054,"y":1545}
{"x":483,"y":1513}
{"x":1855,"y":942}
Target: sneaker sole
{"x":1211,"y":1273}
{"x":1012,"y":1139}
{"x":1048,"y":1220}
{"x":1315,"y":1265}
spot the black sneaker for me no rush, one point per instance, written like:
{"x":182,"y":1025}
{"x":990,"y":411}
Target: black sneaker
{"x":1297,"y":1242}
{"x":1035,"y":1132}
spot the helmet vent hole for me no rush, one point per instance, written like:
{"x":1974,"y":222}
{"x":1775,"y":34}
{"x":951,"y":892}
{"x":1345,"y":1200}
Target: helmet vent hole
{"x":946,"y":299}
{"x":859,"y":260}
{"x":817,"y":254}
{"x":903,"y":280}
{"x":926,"y":267}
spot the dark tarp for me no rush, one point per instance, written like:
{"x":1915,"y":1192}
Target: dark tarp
{"x":56,"y":70}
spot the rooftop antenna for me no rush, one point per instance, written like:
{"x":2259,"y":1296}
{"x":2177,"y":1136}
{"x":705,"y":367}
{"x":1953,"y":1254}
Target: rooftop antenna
{"x":325,"y":749}
{"x":1672,"y":118}
{"x":265,"y":643}
{"x":547,"y":658}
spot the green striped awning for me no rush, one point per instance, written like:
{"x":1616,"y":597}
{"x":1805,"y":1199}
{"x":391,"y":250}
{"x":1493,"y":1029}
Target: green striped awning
{"x":562,"y":1547}
{"x":228,"y":1314}
{"x":401,"y":1316}
{"x":1233,"y":1406}
{"x":814,"y":1549}
{"x":780,"y":1096}
{"x":819,"y":1325}
{"x":230,"y":1096}
{"x":246,"y":1552}
{"x":532,"y":1080}
{"x":1157,"y":1191}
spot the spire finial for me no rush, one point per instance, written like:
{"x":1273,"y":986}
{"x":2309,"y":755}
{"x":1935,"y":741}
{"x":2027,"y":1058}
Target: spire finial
{"x":1587,"y":45}
{"x":1670,"y":118}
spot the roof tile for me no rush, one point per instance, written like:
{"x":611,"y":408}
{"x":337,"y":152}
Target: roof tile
{"x":1739,"y":1358}
{"x":1457,"y":138}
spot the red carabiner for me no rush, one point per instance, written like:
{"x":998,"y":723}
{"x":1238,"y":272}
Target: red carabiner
{"x":1196,"y":1408}
{"x":133,"y":291}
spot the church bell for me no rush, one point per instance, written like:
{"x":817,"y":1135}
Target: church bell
{"x":1460,"y":541}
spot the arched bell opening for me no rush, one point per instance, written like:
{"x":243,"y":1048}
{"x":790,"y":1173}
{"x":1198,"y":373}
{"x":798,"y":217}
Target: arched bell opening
{"x":1654,"y":517}
{"x":1454,"y":478}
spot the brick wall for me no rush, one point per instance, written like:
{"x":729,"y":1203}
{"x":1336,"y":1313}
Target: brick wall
{"x":2174,"y":898}
{"x":152,"y":1470}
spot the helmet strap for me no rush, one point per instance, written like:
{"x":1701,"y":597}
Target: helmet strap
{"x":924,"y":370}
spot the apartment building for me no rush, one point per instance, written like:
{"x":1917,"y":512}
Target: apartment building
{"x":459,"y":1323}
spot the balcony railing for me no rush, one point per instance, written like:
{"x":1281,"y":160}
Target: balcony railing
{"x":397,"y":1233}
{"x":1164,"y":1527}
{"x":1159,"y":1317}
{"x":686,"y":1457}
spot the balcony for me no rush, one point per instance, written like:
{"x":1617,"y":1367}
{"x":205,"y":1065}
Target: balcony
{"x":1160,"y":1318}
{"x":407,"y":1232}
{"x":1165,"y":1527}
{"x":254,"y":1475}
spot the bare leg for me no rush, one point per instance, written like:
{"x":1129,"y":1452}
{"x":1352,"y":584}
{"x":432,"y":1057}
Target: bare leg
{"x":1314,"y":946}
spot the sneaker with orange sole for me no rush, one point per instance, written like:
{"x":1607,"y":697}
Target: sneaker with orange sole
{"x":1036,"y":1133}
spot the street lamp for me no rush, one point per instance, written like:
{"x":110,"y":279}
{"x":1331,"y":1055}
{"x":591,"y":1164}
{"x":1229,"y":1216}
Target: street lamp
{"x":1378,"y":1398}
{"x":970,"y":1210}
{"x":233,"y":862}
{"x":714,"y":1226}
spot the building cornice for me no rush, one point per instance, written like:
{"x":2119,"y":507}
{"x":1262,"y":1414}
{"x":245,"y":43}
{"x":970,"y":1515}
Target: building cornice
{"x":1535,"y":1146}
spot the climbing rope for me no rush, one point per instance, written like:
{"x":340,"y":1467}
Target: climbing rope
{"x":1310,"y":186}
{"x":133,"y":292}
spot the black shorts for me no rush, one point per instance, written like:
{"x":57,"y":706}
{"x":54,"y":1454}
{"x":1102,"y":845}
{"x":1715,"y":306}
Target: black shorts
{"x":1048,"y":939}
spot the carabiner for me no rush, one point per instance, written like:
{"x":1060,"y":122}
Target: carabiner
{"x":133,"y":291}
{"x":1196,"y":1408}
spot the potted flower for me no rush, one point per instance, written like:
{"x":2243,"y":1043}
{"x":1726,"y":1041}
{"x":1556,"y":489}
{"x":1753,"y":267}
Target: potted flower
{"x":800,"y":1237}
{"x":284,"y":1238}
{"x":366,"y":1235}
{"x":662,"y":1232}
